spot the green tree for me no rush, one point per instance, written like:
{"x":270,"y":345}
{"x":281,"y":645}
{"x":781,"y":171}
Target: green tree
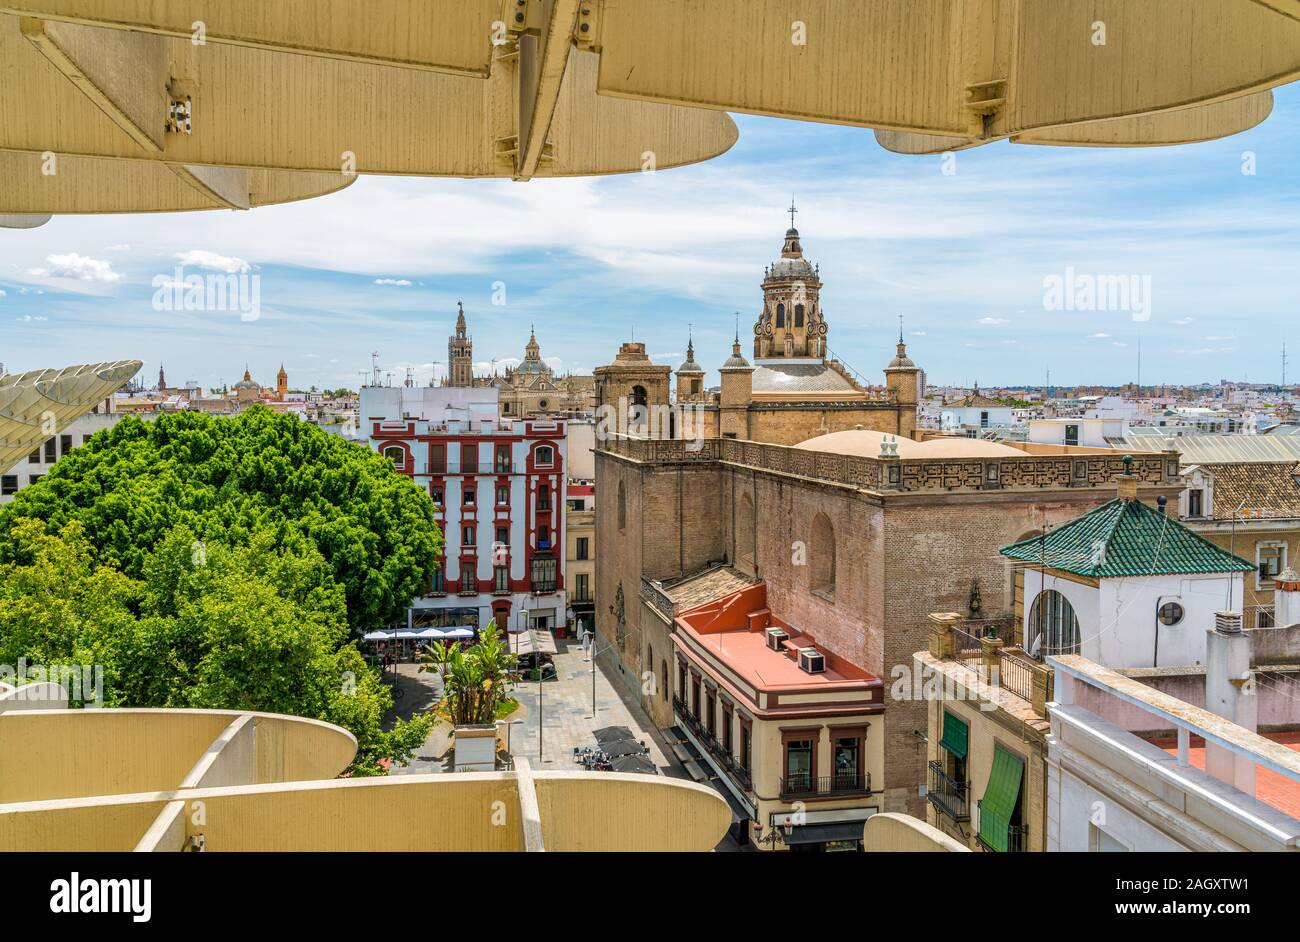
{"x":254,"y":627}
{"x":226,"y":479}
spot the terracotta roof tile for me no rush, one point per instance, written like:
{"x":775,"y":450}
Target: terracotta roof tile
{"x":1261,"y":489}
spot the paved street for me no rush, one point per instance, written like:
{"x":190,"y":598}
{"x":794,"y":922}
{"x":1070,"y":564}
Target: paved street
{"x":563,"y":706}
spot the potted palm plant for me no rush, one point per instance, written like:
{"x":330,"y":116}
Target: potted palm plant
{"x":475,"y":682}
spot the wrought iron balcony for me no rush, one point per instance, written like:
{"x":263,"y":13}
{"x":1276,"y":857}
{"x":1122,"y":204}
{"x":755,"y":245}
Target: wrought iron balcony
{"x":729,"y":764}
{"x":804,"y":785}
{"x":949,"y":797}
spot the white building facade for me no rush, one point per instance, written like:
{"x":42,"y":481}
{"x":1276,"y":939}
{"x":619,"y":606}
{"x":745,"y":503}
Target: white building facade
{"x":499,"y":487}
{"x":37,"y":464}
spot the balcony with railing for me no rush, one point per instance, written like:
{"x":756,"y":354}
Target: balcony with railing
{"x":729,"y":764}
{"x":805,"y":785}
{"x":950,"y":797}
{"x":987,"y":647}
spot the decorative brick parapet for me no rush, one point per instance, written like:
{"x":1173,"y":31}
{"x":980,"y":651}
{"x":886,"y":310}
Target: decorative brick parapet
{"x":907,"y":475}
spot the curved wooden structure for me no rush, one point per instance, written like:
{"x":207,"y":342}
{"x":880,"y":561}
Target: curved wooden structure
{"x":169,"y":780}
{"x":1184,"y":126}
{"x":218,"y":91}
{"x":101,"y":185}
{"x":36,"y":404}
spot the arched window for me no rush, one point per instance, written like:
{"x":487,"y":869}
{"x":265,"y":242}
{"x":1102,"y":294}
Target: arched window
{"x":638,"y":396}
{"x":622,"y":508}
{"x":545,"y":456}
{"x":798,"y":315}
{"x":780,"y":315}
{"x":745,"y":529}
{"x":650,"y":662}
{"x":821,"y":556}
{"x":1053,"y":626}
{"x":665,"y":688}
{"x":396,"y":455}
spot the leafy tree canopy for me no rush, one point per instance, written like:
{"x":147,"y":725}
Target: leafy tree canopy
{"x":251,"y":627}
{"x":231,"y":479}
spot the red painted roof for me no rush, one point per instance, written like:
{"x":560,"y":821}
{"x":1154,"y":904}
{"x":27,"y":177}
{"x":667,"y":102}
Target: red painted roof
{"x":1271,"y":787}
{"x":723,"y":628}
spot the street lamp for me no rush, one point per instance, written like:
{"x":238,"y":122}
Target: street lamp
{"x":594,"y":654}
{"x":774,"y":836}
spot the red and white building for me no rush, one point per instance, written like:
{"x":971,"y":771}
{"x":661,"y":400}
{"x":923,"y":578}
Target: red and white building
{"x":500,"y":491}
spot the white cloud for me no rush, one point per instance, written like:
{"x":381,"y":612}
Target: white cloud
{"x":78,"y":267}
{"x":993,"y":321}
{"x":1099,"y":336}
{"x":122,"y":247}
{"x":1184,"y":321}
{"x":202,"y":258}
{"x":394,"y":282}
{"x":29,"y":318}
{"x":1224,"y":337}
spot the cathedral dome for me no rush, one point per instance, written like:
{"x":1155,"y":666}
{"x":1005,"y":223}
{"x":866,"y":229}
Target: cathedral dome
{"x":858,"y":442}
{"x":901,"y":360}
{"x":791,"y":268}
{"x":690,"y":366}
{"x":791,"y":264}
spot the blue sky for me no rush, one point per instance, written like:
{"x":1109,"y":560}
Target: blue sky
{"x":594,"y":262}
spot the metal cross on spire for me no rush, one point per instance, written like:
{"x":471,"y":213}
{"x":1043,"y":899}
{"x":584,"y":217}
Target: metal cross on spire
{"x":900,"y":328}
{"x":792,"y":212}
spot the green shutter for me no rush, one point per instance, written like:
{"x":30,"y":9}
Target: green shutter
{"x":1000,"y":798}
{"x":955,"y":735}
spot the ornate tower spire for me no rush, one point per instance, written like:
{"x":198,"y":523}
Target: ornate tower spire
{"x":460,"y":353}
{"x":791,"y":324}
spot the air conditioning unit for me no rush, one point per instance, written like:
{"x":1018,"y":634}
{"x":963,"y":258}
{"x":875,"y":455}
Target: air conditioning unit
{"x":811,"y":661}
{"x":776,"y":638}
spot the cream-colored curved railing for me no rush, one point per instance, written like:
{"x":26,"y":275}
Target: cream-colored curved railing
{"x":76,"y":753}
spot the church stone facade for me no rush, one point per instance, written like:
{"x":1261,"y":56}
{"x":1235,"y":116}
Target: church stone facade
{"x":792,"y":391}
{"x":529,"y":389}
{"x":856,"y":544}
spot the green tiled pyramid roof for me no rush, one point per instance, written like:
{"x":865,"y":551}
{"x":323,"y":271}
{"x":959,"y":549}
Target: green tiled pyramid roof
{"x":1125,"y":538}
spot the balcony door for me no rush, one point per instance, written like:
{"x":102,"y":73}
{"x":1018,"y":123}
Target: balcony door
{"x":798,"y":765}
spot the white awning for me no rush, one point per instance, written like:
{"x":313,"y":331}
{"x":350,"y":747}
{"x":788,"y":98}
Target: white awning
{"x":522,"y":643}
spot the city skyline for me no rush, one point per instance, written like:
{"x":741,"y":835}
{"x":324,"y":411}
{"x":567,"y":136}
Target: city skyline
{"x":964,"y":257}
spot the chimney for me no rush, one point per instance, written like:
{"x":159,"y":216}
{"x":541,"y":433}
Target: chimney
{"x":1127,"y":483}
{"x":1230,"y":693}
{"x":1286,"y":599}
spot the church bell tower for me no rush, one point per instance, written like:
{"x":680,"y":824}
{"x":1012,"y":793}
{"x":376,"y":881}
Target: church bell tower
{"x":791,"y":325}
{"x":460,"y":353}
